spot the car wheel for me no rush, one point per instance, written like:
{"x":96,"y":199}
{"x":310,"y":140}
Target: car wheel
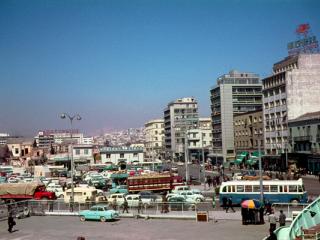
{"x":103,"y":219}
{"x":294,"y":202}
{"x":198,"y":200}
{"x":26,"y":212}
{"x":145,"y":205}
{"x":100,"y":194}
{"x":61,"y":196}
{"x":82,"y":218}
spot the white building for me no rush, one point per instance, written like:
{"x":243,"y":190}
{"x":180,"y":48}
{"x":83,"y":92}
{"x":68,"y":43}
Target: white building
{"x":235,"y":92}
{"x":154,"y":139}
{"x":291,"y":91}
{"x":118,"y":155}
{"x":83,"y":153}
{"x":179,"y":116}
{"x":3,"y":138}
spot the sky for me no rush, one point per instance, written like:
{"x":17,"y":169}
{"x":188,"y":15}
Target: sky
{"x":119,"y":63}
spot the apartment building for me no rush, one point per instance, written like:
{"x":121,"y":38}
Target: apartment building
{"x":154,"y":139}
{"x":179,"y":116}
{"x":234,"y":93}
{"x":291,"y":91}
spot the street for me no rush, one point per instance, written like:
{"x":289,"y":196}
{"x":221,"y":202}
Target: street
{"x":65,"y":228}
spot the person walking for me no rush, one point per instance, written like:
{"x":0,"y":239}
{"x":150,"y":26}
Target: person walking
{"x":224,"y":203}
{"x":272,"y":220}
{"x":114,"y":204}
{"x":282,"y":219}
{"x":140,"y":205}
{"x":11,"y":221}
{"x":125,"y":206}
{"x":229,"y":205}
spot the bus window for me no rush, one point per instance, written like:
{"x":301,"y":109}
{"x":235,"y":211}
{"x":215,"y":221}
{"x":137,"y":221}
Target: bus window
{"x":248,"y":188}
{"x":292,"y":188}
{"x":232,"y":188}
{"x":266,"y":188}
{"x":224,"y":189}
{"x":274,"y":188}
{"x":300,"y":188}
{"x":256,"y":188}
{"x":240,"y":188}
{"x":285,"y":188}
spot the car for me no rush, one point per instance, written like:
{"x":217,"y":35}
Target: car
{"x":58,"y":191}
{"x":192,"y":197}
{"x":180,"y":188}
{"x":98,"y":212}
{"x":148,"y":195}
{"x":179,"y":203}
{"x":119,"y":198}
{"x":133,"y":200}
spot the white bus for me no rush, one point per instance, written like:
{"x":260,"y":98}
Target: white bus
{"x":274,"y":191}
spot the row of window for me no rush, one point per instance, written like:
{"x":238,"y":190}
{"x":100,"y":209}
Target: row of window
{"x":247,"y":132}
{"x":266,"y":188}
{"x":108,"y":155}
{"x":276,"y":103}
{"x":245,"y":122}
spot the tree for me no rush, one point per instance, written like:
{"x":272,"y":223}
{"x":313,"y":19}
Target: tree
{"x":5,"y":154}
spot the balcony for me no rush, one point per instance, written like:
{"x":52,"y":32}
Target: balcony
{"x":302,"y":138}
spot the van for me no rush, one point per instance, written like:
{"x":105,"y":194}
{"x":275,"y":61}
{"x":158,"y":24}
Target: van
{"x":178,"y":189}
{"x":81,"y":194}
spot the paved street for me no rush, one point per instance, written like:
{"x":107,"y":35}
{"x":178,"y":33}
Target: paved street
{"x":49,"y":228}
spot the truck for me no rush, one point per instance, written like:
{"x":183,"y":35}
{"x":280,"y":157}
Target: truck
{"x":156,"y":182}
{"x":25,"y":191}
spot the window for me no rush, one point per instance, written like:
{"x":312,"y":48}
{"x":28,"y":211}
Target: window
{"x":266,"y":188}
{"x":121,"y":155}
{"x":240,"y":188}
{"x":256,"y":188}
{"x":16,"y":150}
{"x":77,"y":151}
{"x":224,"y":189}
{"x":248,"y":188}
{"x":135,"y":154}
{"x":273,"y":188}
{"x":293,"y":188}
{"x":232,"y":188}
{"x":86,"y":151}
{"x":108,"y":155}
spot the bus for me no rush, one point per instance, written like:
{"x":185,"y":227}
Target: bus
{"x":274,"y":191}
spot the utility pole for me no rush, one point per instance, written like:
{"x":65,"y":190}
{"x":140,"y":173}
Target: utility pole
{"x":260,"y":172}
{"x":186,"y":154}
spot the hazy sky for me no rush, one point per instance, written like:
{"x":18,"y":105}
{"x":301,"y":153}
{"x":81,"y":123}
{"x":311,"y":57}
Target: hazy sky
{"x":118,"y":63}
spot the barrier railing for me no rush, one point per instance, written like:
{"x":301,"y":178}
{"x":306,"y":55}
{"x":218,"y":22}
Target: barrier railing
{"x":289,"y":209}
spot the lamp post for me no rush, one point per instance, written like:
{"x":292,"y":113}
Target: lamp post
{"x":71,"y":118}
{"x":186,"y":155}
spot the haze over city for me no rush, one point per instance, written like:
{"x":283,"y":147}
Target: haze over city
{"x":119,"y":63}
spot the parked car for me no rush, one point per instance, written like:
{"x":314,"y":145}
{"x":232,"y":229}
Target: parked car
{"x":192,"y":197}
{"x":148,"y":195}
{"x":178,"y":189}
{"x":119,"y":198}
{"x":179,"y":203}
{"x":98,"y":212}
{"x":133,"y":200}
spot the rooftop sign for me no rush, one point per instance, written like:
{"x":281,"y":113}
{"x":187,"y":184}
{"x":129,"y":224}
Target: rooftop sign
{"x":307,"y":42}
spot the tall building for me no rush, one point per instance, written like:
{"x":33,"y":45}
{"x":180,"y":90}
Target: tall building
{"x":154,"y":139}
{"x":291,"y":91}
{"x":46,"y":138}
{"x":3,"y":138}
{"x":179,"y":116}
{"x":235,"y":92}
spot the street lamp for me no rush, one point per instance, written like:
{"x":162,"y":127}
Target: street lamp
{"x":260,"y":169}
{"x":71,"y":118}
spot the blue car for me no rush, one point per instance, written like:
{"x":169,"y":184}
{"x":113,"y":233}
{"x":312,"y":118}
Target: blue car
{"x":98,"y":212}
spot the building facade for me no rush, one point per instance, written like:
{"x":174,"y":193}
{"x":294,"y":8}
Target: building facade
{"x":248,"y":131}
{"x":235,"y":92}
{"x":3,"y":138}
{"x":304,"y":140}
{"x":291,"y":91}
{"x":154,"y":139}
{"x":121,"y":155}
{"x":179,"y":116}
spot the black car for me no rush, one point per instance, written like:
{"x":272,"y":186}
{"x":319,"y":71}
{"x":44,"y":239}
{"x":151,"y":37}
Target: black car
{"x":148,"y":195}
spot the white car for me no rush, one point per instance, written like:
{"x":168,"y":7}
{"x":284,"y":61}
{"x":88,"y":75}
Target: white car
{"x":178,"y":189}
{"x":119,"y":198}
{"x":133,"y":200}
{"x":192,"y":197}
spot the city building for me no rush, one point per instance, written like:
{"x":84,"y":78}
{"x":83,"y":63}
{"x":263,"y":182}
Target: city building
{"x":235,"y":92}
{"x":179,"y":116}
{"x":3,"y":138}
{"x":291,"y":91}
{"x":46,"y":138}
{"x":154,"y":139}
{"x":304,"y":140}
{"x":121,"y":155}
{"x":248,"y":133}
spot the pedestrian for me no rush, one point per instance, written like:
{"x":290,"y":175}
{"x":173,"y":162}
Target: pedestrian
{"x":125,"y":206}
{"x":282,"y":219}
{"x":51,"y":206}
{"x":209,"y":181}
{"x":272,"y":220}
{"x":140,"y":205}
{"x":229,"y":205}
{"x":88,"y":202}
{"x":224,"y":203}
{"x":114,"y":204}
{"x":268,"y":207}
{"x":11,"y":221}
{"x":71,"y":202}
{"x":244,"y":215}
{"x":261,"y":211}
